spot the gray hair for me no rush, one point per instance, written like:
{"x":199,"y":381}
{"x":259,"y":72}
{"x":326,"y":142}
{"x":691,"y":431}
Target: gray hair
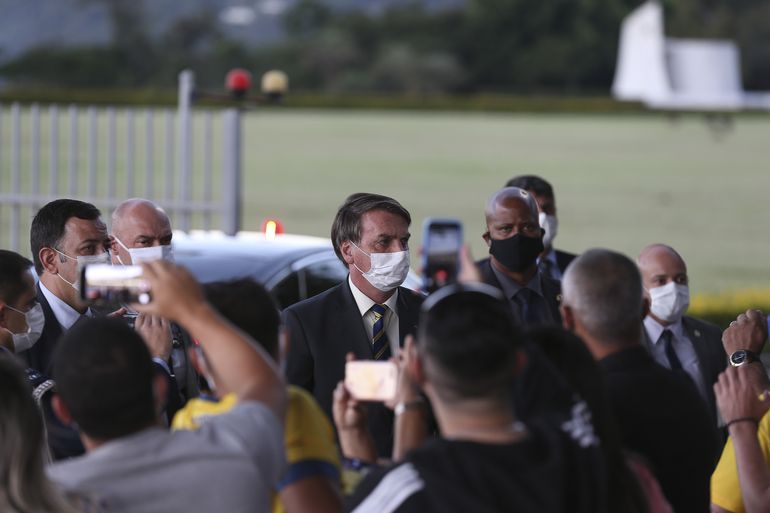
{"x":604,"y":290}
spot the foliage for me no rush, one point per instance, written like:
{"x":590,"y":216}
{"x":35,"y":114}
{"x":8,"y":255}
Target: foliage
{"x":723,"y":308}
{"x":522,"y":46}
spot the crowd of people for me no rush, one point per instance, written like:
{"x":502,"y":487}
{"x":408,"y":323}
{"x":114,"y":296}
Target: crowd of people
{"x":539,"y":381}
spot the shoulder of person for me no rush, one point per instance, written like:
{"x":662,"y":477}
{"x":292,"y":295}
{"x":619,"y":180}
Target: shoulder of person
{"x":700,"y":327}
{"x":319,"y":300}
{"x":387,"y":489}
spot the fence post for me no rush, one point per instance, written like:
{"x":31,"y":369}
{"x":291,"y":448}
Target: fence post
{"x":186,"y":88}
{"x":231,"y":172}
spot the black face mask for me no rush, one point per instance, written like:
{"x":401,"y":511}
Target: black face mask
{"x":516,"y":253}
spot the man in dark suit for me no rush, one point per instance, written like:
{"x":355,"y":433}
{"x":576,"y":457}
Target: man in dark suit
{"x":515,"y":240}
{"x":659,"y":412}
{"x":369,"y":314}
{"x":65,"y":235}
{"x":674,"y":340}
{"x":552,"y":262}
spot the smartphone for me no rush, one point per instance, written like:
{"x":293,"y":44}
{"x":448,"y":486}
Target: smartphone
{"x":369,"y":380}
{"x":442,"y":242}
{"x":105,"y":284}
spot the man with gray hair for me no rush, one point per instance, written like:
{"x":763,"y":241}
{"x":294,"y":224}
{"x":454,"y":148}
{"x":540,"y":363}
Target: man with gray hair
{"x":515,"y":240}
{"x":659,"y":412}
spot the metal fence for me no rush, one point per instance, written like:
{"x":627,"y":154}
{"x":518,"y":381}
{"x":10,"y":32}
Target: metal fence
{"x":187,"y":160}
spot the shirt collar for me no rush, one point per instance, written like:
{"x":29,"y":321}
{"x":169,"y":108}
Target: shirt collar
{"x":655,"y":329}
{"x":65,"y":315}
{"x":365,"y":303}
{"x":511,"y":288}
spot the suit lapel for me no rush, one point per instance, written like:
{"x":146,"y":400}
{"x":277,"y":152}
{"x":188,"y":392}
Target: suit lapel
{"x":408,"y":305}
{"x":350,"y":325}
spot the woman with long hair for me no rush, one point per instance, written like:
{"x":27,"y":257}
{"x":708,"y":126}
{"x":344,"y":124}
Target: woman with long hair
{"x":24,"y":486}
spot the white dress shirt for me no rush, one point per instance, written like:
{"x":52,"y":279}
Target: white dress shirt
{"x":64,"y":313}
{"x":365,"y":304}
{"x":682,"y":346}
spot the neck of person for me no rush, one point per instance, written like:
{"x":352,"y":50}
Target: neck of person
{"x":545,"y":252}
{"x":601,"y":349}
{"x":91,"y":443}
{"x":368,"y":289}
{"x":660,"y":321}
{"x":64,"y":291}
{"x":489,"y":421}
{"x":520,"y":278}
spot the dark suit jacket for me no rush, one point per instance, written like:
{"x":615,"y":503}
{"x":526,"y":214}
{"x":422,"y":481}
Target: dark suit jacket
{"x":322,"y":330}
{"x":551,"y":288}
{"x":661,"y":416}
{"x":563,"y":259}
{"x":706,"y":339}
{"x":40,"y":356}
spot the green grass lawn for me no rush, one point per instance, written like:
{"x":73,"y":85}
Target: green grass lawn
{"x":621,"y":181}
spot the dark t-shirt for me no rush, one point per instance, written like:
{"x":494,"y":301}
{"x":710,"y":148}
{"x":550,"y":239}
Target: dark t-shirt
{"x":546,"y":472}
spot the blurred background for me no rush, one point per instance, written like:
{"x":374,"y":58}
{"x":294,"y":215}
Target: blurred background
{"x":435,"y":102}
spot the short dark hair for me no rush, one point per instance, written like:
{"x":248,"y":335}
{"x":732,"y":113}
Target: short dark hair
{"x":347,"y":222}
{"x":250,"y":307}
{"x":104,"y":375}
{"x":12,"y":269}
{"x":467,"y":333}
{"x":48,"y":224}
{"x":533,"y":184}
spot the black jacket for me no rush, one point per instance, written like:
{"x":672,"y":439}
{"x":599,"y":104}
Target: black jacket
{"x":322,"y":330}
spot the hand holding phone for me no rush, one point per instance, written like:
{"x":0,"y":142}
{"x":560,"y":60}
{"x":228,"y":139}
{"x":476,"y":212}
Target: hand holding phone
{"x":369,"y":380}
{"x":442,"y":242}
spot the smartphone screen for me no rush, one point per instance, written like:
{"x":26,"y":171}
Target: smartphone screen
{"x":369,"y":380}
{"x":442,"y":241}
{"x":107,"y":284}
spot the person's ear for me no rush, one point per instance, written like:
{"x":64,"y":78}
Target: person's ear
{"x":49,"y":259}
{"x":567,"y":317}
{"x":3,"y":311}
{"x":60,"y":410}
{"x":414,"y":365}
{"x":114,"y":249}
{"x":487,"y":238}
{"x":645,"y":306}
{"x":346,"y":249}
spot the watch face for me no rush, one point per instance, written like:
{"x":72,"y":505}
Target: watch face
{"x":738,"y":358}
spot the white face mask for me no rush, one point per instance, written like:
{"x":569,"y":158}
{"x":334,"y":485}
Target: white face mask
{"x":35,"y":321}
{"x":387,"y":270}
{"x":83,"y":260}
{"x":670,"y":301}
{"x":551,"y":225}
{"x":148,"y":254}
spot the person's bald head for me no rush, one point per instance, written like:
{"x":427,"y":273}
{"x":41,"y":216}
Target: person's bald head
{"x":661,"y":264}
{"x":602,"y":294}
{"x":139,"y":223}
{"x":509,"y":197}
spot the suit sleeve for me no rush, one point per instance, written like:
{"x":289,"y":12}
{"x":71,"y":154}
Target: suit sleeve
{"x":299,"y":360}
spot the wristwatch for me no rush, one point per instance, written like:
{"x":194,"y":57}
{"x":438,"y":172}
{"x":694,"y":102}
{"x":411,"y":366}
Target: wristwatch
{"x":743,"y":357}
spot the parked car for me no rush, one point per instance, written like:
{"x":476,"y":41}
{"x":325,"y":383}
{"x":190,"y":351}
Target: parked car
{"x":291,"y":267}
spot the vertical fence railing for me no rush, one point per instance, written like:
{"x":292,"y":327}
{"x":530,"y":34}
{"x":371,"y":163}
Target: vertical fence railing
{"x":103,"y":156}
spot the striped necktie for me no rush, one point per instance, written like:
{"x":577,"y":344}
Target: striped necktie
{"x":380,"y":343}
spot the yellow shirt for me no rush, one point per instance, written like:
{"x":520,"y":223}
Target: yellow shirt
{"x":725,"y":486}
{"x":309,"y":438}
